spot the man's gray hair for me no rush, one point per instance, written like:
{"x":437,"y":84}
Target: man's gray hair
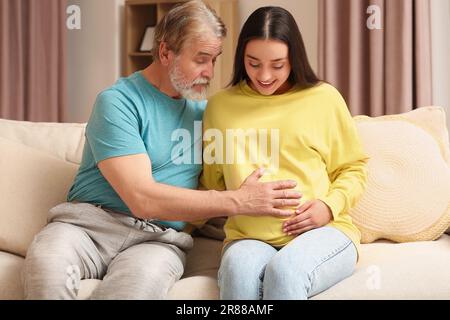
{"x":185,"y":22}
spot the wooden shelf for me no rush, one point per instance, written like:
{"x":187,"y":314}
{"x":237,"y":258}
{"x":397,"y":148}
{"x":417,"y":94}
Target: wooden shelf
{"x":140,"y":14}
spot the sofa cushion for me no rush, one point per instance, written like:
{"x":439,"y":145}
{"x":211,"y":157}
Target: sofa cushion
{"x":203,"y":257}
{"x":32,"y":182}
{"x":10,"y":276}
{"x":201,"y":287}
{"x":407,"y":197}
{"x":62,"y":140}
{"x":87,"y":286}
{"x":386,"y":270}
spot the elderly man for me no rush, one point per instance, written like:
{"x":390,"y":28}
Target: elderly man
{"x":130,"y":201}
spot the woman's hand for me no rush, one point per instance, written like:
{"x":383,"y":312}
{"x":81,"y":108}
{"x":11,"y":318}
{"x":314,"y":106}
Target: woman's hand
{"x":311,"y":215}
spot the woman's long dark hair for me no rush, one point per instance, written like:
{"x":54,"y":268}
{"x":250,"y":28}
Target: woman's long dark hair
{"x":277,"y":24}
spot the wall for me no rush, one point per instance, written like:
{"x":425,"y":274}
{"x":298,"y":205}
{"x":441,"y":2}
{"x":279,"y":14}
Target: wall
{"x":94,"y":54}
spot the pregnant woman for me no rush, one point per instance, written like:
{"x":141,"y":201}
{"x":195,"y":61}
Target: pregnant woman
{"x":276,"y":103}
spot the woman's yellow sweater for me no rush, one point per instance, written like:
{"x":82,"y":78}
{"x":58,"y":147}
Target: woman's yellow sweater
{"x":305,"y":135}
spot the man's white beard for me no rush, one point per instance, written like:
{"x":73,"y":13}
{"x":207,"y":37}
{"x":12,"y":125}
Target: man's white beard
{"x":182,"y":86}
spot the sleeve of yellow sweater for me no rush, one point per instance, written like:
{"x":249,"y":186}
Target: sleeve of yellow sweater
{"x":344,"y":157}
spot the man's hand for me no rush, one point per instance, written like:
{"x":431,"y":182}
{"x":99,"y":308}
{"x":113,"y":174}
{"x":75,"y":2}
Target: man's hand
{"x":312,"y":214}
{"x":256,"y":198}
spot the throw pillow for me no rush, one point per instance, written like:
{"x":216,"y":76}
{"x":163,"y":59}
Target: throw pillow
{"x":32,"y":182}
{"x":407,"y":197}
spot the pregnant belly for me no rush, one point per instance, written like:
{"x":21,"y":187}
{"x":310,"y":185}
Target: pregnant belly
{"x":267,"y":229}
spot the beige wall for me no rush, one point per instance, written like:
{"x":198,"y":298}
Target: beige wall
{"x":93,"y":55}
{"x":305,"y":13}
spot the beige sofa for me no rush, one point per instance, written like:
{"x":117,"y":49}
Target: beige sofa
{"x":38,"y":162}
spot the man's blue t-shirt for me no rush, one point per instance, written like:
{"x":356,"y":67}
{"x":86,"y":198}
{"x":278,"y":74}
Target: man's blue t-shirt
{"x":133,"y":117}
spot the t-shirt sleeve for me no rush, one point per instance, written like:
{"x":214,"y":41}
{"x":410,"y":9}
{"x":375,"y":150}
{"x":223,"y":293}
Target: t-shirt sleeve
{"x":113,"y":128}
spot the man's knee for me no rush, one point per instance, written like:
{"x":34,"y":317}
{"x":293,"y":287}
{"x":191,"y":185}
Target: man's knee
{"x":51,"y":261}
{"x":56,"y":239}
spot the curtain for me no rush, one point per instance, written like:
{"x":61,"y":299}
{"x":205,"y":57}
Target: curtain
{"x":384,"y":69}
{"x":33,"y":60}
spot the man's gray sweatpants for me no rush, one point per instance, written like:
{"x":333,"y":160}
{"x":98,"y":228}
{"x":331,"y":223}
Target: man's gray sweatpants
{"x":135,"y":258}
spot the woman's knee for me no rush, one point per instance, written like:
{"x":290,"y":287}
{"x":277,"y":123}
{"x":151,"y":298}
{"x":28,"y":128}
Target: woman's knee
{"x":281,"y":271}
{"x":308,"y":275}
{"x":245,"y":257}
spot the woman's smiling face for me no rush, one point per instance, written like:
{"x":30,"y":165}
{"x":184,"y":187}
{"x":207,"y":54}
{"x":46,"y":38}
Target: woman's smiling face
{"x":268,"y":67}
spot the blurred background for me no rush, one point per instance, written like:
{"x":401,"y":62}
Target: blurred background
{"x":385,"y":56}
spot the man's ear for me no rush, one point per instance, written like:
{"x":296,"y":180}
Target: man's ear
{"x":165,"y":54}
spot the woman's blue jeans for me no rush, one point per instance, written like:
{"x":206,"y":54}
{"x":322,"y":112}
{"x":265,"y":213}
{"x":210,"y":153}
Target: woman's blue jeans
{"x":311,"y":263}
